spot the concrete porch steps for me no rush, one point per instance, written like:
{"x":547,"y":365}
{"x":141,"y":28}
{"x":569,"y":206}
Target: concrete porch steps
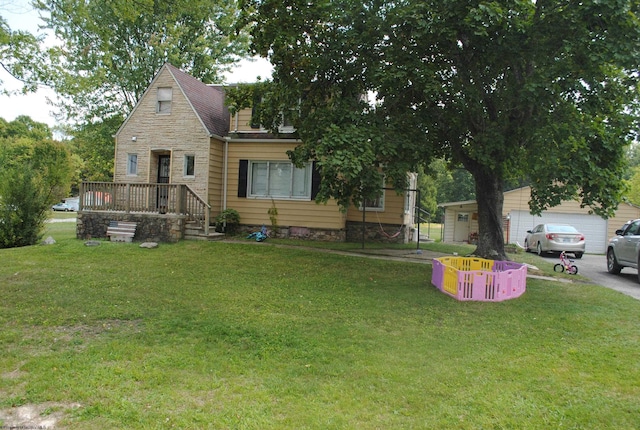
{"x":194,"y":232}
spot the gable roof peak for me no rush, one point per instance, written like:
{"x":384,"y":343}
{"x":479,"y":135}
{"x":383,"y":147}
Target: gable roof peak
{"x":207,"y":101}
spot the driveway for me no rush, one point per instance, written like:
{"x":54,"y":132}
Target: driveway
{"x":594,"y":267}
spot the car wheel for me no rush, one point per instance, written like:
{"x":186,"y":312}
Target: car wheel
{"x":539,"y":249}
{"x":526,"y":246}
{"x":612,"y":263}
{"x":578,"y":255}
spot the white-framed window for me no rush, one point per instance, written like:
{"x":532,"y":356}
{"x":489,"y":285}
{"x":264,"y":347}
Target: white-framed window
{"x":286,"y":126}
{"x":374,"y":205}
{"x":279,"y":179}
{"x":377,"y":204}
{"x":132,"y":164}
{"x":165,"y":96}
{"x":189,"y":165}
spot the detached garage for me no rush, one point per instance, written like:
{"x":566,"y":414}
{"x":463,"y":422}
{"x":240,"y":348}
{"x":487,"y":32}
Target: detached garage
{"x":461,"y":220}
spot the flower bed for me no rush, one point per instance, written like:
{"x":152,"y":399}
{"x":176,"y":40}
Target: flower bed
{"x":466,"y":278}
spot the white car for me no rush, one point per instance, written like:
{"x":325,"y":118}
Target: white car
{"x":62,"y":206}
{"x":546,"y":238}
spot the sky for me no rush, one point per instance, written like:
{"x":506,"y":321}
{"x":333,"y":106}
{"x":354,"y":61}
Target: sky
{"x":21,"y":16}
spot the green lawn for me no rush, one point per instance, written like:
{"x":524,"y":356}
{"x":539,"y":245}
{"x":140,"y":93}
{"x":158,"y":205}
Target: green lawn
{"x":249,"y":336}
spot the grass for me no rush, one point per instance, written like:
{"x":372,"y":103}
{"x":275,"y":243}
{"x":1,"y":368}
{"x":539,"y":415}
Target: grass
{"x":248,"y":336}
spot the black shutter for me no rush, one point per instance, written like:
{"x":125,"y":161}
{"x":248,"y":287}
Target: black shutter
{"x":242,"y":178}
{"x":315,"y":181}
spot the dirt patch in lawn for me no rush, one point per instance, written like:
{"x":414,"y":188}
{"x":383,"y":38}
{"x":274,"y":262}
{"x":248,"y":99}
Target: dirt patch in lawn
{"x":42,"y":416}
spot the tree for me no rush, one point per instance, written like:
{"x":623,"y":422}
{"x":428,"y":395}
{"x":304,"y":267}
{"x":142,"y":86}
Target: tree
{"x":545,"y":90}
{"x":94,"y":144}
{"x":19,"y":52}
{"x":34,"y":174}
{"x":633,"y":193}
{"x":440,"y":183}
{"x":111,"y":49}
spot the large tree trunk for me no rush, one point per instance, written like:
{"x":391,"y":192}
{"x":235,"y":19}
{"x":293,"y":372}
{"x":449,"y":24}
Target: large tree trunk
{"x":490,"y":198}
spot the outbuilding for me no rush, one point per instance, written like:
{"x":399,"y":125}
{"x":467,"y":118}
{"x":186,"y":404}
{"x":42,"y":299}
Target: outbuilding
{"x":461,"y":220}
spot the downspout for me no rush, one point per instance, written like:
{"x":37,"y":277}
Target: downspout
{"x":225,"y":173}
{"x":225,"y":178}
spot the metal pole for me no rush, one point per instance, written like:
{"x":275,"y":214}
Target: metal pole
{"x":419,"y":215}
{"x":364,"y":211}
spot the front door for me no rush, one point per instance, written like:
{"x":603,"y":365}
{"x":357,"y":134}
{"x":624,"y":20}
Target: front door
{"x":164,"y":167}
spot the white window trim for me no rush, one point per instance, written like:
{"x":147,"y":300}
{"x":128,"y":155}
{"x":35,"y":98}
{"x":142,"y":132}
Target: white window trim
{"x":285,"y":129}
{"x":129,"y":172}
{"x":375,"y":208}
{"x":184,"y":171}
{"x":250,"y":193}
{"x":382,"y":200}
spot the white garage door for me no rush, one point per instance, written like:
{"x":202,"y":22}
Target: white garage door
{"x":593,"y":227}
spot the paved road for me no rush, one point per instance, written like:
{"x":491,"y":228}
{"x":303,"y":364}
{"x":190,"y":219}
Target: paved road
{"x":594,"y":267}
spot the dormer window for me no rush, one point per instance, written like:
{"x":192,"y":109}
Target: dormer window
{"x":286,"y":126}
{"x":165,"y":96}
{"x":286,"y":123}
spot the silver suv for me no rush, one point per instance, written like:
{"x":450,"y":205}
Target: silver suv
{"x":623,"y":248}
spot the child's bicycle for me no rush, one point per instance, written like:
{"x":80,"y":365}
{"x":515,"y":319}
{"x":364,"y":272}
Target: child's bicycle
{"x":566,"y":265}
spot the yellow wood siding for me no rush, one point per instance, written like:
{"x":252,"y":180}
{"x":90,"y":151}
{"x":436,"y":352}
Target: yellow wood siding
{"x":216,"y":173}
{"x":179,"y":133}
{"x":393,"y":212}
{"x":291,"y":213}
{"x":241,"y":122}
{"x":624,"y":213}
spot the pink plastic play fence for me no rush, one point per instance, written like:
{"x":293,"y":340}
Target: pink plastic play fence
{"x":466,"y":278}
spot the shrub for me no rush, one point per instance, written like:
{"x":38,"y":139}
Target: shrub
{"x":33,"y":176}
{"x":227,"y":221}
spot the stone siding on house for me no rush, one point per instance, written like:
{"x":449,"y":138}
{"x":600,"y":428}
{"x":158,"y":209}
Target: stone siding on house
{"x":151,"y":227}
{"x":373,"y":232}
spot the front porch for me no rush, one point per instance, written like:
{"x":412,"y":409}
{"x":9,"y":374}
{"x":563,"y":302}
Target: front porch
{"x":163,"y":212}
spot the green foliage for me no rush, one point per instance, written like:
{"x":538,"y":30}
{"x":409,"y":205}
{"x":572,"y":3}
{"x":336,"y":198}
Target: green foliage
{"x":34,"y":174}
{"x":633,"y":194}
{"x":94,"y":144}
{"x":227,"y":221}
{"x":440,"y":183}
{"x":24,"y":126}
{"x":524,"y":90}
{"x":273,"y":215}
{"x":113,"y":48}
{"x":22,"y":57}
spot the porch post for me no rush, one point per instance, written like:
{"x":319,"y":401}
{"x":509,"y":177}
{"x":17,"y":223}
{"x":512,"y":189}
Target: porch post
{"x":81,"y":199}
{"x":127,"y":196}
{"x":180,"y":196}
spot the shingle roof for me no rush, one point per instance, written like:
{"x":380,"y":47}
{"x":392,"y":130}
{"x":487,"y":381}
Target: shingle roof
{"x":207,"y":101}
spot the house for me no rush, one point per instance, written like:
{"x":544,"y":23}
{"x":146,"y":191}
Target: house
{"x":181,"y":159}
{"x":461,"y":220}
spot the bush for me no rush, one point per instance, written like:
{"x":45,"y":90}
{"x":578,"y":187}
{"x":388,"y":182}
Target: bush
{"x":227,"y":221}
{"x":23,"y":210}
{"x":33,"y":176}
